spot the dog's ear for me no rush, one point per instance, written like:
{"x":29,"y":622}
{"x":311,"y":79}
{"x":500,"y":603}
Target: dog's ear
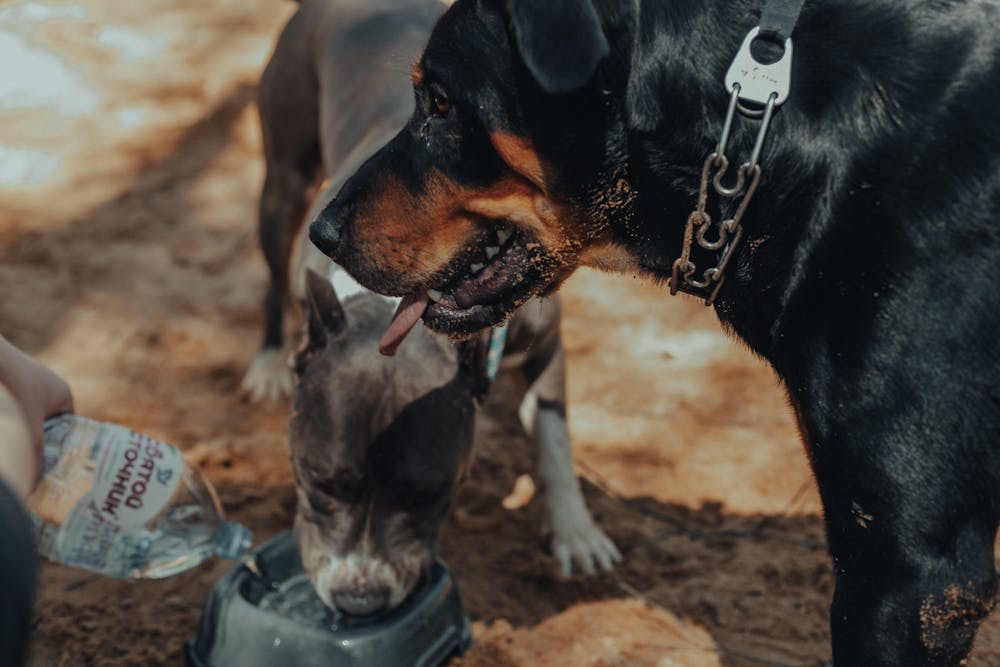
{"x":561,"y":41}
{"x":326,"y":315}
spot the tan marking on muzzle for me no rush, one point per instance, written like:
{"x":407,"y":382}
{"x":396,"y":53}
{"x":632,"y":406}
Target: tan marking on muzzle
{"x":520,"y":155}
{"x":412,"y":235}
{"x":555,"y":227}
{"x":534,"y":206}
{"x":415,"y":235}
{"x":524,"y":208}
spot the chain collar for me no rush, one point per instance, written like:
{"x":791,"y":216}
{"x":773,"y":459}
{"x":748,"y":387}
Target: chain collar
{"x":755,"y":90}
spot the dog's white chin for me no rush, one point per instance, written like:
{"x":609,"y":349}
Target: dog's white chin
{"x":379,"y":573}
{"x":323,"y":583}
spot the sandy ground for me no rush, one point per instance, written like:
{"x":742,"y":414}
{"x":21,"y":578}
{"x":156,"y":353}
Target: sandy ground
{"x":129,"y":171}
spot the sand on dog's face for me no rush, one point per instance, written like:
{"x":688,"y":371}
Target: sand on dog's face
{"x":132,"y":268}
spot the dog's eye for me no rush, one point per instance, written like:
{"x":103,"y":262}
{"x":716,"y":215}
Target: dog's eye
{"x":442,"y":105}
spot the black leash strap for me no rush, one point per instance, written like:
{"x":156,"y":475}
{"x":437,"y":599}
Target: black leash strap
{"x":779,"y":18}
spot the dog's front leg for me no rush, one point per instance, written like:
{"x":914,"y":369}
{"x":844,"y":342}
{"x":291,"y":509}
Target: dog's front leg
{"x":575,"y":536}
{"x":911,"y":532}
{"x":283,"y":203}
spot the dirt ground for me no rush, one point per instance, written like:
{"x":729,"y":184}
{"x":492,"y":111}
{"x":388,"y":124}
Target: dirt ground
{"x":129,"y":172}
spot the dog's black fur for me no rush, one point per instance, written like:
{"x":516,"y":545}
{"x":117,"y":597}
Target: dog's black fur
{"x":868,"y":278}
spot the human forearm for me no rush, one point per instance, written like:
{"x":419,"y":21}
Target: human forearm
{"x":37,"y":390}
{"x":19,"y":460}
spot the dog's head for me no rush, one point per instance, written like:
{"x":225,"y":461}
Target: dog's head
{"x":503,"y":179}
{"x":376,"y":446}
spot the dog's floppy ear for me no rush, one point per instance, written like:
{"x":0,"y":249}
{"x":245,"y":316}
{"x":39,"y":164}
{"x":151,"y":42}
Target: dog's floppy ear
{"x":326,"y":315}
{"x":561,"y":41}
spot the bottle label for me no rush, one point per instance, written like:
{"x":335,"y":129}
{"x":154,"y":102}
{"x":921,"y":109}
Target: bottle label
{"x":134,"y":478}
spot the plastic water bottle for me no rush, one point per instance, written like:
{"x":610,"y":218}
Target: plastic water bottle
{"x":119,"y":503}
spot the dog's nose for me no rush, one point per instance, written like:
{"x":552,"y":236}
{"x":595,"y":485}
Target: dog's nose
{"x":360,"y":601}
{"x":327,"y":230}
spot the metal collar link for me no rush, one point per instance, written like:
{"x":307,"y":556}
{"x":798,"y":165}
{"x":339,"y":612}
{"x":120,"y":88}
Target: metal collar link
{"x":755,"y":90}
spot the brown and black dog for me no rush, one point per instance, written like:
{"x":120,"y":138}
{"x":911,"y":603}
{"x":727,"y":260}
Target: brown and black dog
{"x":867,"y":276}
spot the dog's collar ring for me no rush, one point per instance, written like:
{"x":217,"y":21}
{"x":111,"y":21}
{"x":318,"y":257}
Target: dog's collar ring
{"x":749,"y":82}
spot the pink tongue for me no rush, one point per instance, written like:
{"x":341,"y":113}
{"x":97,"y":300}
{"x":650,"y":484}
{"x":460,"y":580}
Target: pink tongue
{"x":409,"y":312}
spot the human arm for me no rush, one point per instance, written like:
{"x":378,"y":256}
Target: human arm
{"x":30,"y":392}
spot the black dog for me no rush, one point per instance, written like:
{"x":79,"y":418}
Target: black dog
{"x":867,"y":275}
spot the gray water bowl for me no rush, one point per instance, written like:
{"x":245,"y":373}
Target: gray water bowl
{"x":265,"y":613}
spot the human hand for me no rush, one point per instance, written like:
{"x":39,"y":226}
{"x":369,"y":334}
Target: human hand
{"x":30,"y":392}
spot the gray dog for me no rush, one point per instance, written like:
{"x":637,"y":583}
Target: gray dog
{"x":378,"y":443}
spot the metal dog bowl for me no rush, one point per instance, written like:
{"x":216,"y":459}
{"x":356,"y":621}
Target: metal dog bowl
{"x":265,"y":612}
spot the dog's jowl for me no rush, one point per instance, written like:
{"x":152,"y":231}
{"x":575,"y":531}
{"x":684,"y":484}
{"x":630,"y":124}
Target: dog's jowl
{"x":550,"y":135}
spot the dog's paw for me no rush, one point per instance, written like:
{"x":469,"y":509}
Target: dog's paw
{"x":269,"y":377}
{"x":579,"y":541}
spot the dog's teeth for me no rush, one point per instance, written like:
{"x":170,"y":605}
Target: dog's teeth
{"x":492,"y":251}
{"x":434,"y":295}
{"x":503,"y":235}
{"x":476,"y":268}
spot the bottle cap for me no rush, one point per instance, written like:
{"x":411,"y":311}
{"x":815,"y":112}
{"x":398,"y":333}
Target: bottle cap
{"x":233,"y":540}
